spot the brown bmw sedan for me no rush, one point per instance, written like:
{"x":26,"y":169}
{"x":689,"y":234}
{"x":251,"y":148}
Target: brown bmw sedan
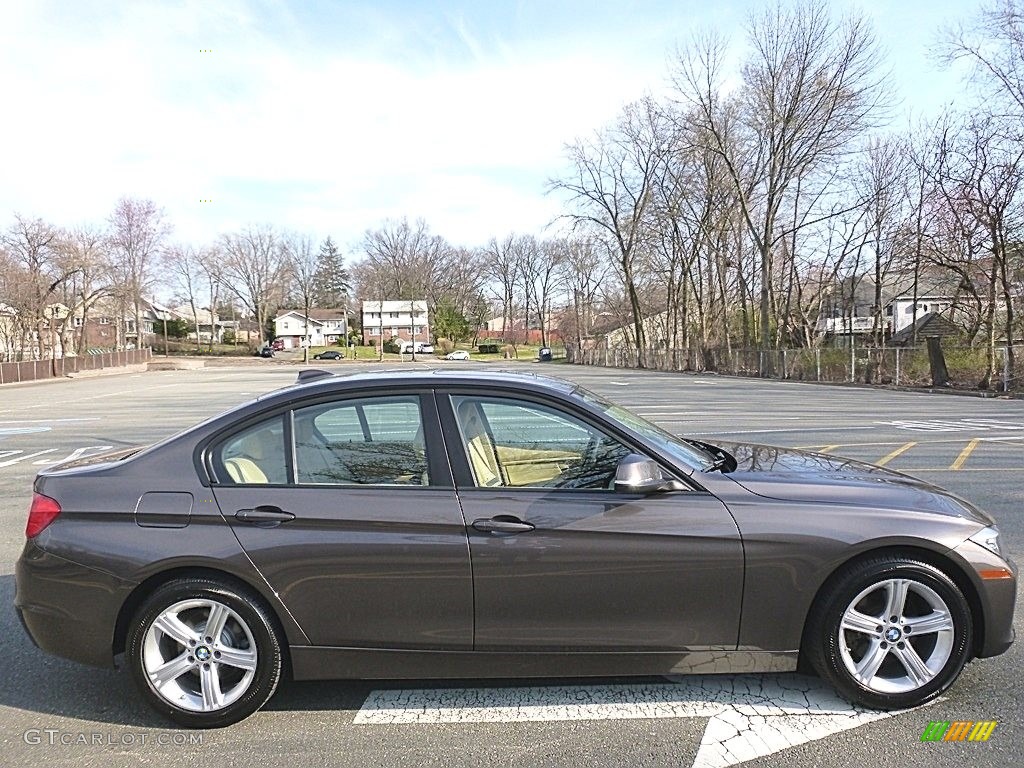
{"x":457,"y":524}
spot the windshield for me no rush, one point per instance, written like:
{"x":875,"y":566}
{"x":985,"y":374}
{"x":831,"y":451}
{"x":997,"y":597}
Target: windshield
{"x":676,"y":447}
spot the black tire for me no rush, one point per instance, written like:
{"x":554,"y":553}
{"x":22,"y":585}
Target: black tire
{"x":250,"y":613}
{"x":831,"y":649}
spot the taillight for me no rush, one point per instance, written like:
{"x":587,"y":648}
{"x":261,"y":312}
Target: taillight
{"x":43,"y":511}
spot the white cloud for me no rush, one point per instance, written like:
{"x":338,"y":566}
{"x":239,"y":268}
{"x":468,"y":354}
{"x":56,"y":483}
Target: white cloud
{"x":127,"y":104}
{"x":326,"y":124}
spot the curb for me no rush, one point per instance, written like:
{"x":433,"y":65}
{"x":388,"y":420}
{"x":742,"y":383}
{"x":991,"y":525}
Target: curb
{"x":134,"y":368}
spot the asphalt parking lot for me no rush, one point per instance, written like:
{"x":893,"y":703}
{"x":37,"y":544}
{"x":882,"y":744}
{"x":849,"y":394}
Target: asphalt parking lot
{"x":59,"y":713}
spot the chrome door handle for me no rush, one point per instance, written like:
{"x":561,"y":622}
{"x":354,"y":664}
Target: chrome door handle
{"x":264,"y":516}
{"x":502,"y":524}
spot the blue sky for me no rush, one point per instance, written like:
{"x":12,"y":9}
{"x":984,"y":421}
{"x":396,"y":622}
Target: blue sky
{"x":328,"y":117}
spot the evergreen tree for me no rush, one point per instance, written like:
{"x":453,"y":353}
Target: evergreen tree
{"x":331,"y":283}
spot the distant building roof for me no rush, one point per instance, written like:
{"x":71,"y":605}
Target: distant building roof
{"x":333,"y":313}
{"x":928,"y":324}
{"x":399,"y":305}
{"x":315,"y":315}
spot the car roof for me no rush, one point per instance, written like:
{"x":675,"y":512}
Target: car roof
{"x":327,"y":381}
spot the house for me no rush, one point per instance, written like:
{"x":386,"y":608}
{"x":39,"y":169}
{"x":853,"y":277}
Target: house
{"x":658,"y":330}
{"x":109,"y":324}
{"x":905,"y":297}
{"x":384,"y":320}
{"x":205,"y":324}
{"x":928,"y":324}
{"x":322,"y":328}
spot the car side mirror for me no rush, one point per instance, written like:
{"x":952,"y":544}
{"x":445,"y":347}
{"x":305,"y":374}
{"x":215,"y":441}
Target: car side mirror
{"x":639,"y":474}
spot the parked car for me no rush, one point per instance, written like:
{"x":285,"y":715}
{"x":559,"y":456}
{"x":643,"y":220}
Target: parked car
{"x":264,"y":351}
{"x":278,"y":345}
{"x":458,"y":354}
{"x":443,"y":524}
{"x":329,"y":354}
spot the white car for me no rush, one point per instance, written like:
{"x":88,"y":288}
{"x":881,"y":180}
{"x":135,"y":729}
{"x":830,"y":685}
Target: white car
{"x":458,"y":354}
{"x":420,"y":346}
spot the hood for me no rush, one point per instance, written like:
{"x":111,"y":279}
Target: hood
{"x":788,"y":474}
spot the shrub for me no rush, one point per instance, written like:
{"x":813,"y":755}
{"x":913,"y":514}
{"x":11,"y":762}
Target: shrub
{"x":509,"y":351}
{"x":393,"y":345}
{"x":444,"y":346}
{"x":968,"y":366}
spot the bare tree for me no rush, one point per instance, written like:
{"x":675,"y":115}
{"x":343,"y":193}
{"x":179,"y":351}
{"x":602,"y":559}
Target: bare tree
{"x":583,"y":270}
{"x":883,"y":176}
{"x":209,"y":260}
{"x":82,"y":255}
{"x":610,"y":188}
{"x":34,"y":247}
{"x":994,"y":43}
{"x":138,"y":229}
{"x":303,"y":268}
{"x":501,"y":266}
{"x":255,"y":270}
{"x":810,"y":86}
{"x":981,"y":176}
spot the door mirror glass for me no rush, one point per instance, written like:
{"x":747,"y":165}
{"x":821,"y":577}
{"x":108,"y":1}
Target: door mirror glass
{"x":639,"y":474}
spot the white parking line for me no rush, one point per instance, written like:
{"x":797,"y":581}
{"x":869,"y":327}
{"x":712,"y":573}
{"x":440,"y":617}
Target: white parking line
{"x":47,"y":421}
{"x":750,"y":716}
{"x":955,"y":425}
{"x":8,"y":431}
{"x":11,"y":462}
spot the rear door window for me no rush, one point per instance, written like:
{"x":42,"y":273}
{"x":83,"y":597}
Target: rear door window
{"x":365,"y":441}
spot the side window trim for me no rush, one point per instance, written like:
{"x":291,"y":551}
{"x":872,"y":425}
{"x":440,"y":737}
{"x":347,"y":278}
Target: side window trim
{"x":289,"y":447}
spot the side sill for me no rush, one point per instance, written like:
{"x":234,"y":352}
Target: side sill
{"x":327,"y":663}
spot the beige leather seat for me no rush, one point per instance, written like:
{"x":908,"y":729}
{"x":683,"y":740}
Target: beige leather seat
{"x":244,"y":468}
{"x":245,"y":471}
{"x":482,"y":456}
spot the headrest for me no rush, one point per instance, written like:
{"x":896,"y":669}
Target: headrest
{"x":256,"y":445}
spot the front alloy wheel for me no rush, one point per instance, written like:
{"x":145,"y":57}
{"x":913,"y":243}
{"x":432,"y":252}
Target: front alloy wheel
{"x":204,"y":654}
{"x":890,"y":633}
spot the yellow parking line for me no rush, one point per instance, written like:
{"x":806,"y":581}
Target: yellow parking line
{"x":902,"y":449}
{"x":964,"y":454}
{"x":827,"y":448}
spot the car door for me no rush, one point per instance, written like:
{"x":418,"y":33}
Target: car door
{"x":561,"y":561}
{"x":351,"y":516}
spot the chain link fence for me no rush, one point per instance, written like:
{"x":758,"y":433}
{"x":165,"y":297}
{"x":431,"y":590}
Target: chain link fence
{"x":891,"y":366}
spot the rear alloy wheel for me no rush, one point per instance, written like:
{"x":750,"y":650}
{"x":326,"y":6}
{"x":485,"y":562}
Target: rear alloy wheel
{"x":204,"y":654}
{"x":890,"y":633}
